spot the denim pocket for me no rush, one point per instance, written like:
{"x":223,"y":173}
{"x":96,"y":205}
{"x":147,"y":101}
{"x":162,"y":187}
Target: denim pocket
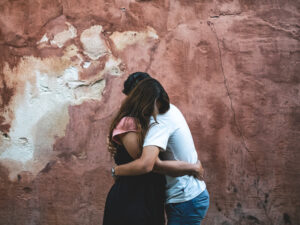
{"x":201,"y":204}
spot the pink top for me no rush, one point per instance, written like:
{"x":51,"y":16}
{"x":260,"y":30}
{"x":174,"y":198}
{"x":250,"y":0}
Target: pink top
{"x":125,"y":125}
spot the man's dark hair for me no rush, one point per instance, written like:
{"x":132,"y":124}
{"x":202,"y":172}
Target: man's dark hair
{"x":132,"y":80}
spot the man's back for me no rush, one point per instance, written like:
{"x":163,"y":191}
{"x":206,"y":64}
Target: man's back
{"x":174,"y":138}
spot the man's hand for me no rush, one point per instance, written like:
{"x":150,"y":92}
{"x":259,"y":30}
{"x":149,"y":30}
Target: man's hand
{"x":198,"y":171}
{"x":176,"y":168}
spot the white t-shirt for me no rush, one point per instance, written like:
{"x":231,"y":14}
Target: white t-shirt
{"x":173,"y":136}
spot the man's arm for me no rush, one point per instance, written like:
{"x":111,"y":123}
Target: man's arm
{"x":142,"y":165}
{"x":179,"y":168}
{"x":149,"y":161}
{"x":149,"y":158}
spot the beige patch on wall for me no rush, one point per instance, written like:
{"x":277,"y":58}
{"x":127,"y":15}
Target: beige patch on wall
{"x":123,"y":39}
{"x":94,"y":46}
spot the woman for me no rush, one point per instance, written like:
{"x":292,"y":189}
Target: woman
{"x":139,"y":199}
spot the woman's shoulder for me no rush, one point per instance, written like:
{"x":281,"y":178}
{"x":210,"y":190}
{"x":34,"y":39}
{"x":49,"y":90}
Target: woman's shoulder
{"x":127,"y":123}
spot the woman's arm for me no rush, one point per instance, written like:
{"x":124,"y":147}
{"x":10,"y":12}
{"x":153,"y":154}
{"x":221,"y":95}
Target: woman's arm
{"x":179,"y":168}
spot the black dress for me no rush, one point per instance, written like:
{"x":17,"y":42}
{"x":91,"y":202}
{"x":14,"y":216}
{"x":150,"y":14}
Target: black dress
{"x":135,"y":200}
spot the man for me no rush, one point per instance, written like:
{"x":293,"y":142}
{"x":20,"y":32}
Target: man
{"x":187,"y":199}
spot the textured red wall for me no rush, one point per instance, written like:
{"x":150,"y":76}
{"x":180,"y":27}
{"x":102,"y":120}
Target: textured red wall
{"x":231,"y":66}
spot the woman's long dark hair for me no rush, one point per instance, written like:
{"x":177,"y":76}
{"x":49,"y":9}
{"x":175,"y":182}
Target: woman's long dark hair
{"x":139,"y":104}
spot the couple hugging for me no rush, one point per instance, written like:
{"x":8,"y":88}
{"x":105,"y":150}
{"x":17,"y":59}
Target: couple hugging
{"x":157,"y":163}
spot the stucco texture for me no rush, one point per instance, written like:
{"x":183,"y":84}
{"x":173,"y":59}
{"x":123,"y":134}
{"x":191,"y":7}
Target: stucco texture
{"x":231,"y":66}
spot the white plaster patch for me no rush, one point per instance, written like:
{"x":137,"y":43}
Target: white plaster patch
{"x":61,"y":38}
{"x":43,"y":39}
{"x":43,"y":109}
{"x":86,"y":65}
{"x":112,"y":66}
{"x":87,"y":92}
{"x":94,"y":46}
{"x":123,"y":39}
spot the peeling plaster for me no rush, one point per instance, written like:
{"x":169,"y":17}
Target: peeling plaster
{"x":61,"y":38}
{"x":45,"y":88}
{"x":124,"y":39}
{"x":86,"y":65}
{"x":94,"y":46}
{"x":112,"y":66}
{"x":48,"y":96}
{"x":43,"y":39}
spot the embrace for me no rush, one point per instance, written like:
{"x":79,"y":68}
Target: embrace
{"x":157,"y":163}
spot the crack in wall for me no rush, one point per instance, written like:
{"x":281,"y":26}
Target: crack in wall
{"x":226,"y":14}
{"x":14,"y":45}
{"x":153,"y":50}
{"x":211,"y":25}
{"x":289,"y":32}
{"x":61,"y":12}
{"x":88,"y":84}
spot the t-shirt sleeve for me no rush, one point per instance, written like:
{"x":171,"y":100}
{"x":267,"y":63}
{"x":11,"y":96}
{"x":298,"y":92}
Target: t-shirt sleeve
{"x":158,"y":135}
{"x":125,"y":125}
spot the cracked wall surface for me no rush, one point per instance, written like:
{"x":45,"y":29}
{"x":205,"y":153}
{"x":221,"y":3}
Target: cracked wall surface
{"x":232,"y":67}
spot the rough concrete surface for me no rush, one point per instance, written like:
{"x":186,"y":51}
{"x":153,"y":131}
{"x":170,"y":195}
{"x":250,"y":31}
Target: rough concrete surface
{"x":231,"y":66}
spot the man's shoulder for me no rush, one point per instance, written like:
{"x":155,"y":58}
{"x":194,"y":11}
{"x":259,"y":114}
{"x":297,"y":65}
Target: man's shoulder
{"x":173,"y":113}
{"x":170,"y":118}
{"x":173,"y":110}
{"x":173,"y":107}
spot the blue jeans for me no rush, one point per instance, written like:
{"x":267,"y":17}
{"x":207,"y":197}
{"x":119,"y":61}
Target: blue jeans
{"x":190,"y":212}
